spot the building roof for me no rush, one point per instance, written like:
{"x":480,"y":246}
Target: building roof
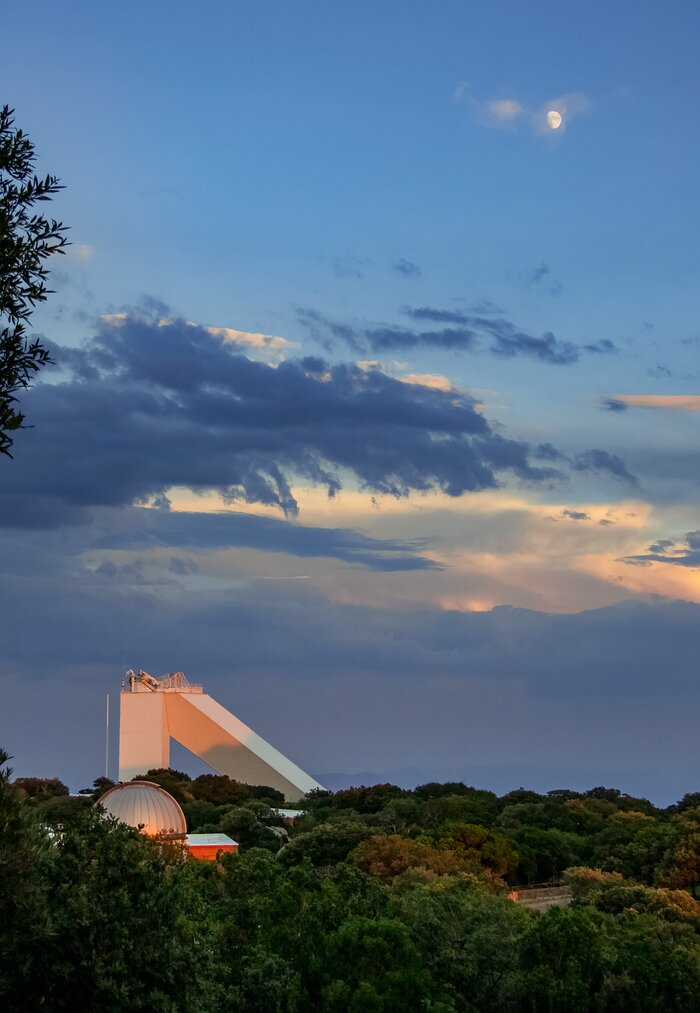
{"x":210,"y":841}
{"x":146,"y":806}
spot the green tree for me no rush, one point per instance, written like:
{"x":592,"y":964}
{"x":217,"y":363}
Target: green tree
{"x":389,"y":855}
{"x":26,"y":241}
{"x":371,"y":965}
{"x":326,"y":844}
{"x":550,"y":852}
{"x":483,"y":848}
{"x":176,"y":782}
{"x":129,"y":925}
{"x":26,"y":852}
{"x":252,"y":826}
{"x":470,"y":940}
{"x":40,"y":787}
{"x":680,"y":866}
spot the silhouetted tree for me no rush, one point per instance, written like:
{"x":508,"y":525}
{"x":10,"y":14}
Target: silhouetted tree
{"x":26,"y":240}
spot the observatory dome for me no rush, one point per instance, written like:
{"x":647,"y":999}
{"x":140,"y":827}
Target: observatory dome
{"x":146,"y":806}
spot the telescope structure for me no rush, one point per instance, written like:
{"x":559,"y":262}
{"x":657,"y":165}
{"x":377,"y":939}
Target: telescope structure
{"x":152,"y":711}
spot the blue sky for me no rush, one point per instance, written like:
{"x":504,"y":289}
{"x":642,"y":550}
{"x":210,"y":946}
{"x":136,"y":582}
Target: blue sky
{"x":323,"y":248}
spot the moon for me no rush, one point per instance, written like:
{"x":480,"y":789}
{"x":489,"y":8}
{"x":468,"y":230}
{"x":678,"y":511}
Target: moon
{"x":554,"y":119}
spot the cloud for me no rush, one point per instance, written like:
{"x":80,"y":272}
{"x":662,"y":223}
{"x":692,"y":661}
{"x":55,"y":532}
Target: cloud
{"x":589,"y":460}
{"x":664,"y":372}
{"x":613,"y":404}
{"x":507,"y":340}
{"x":439,"y":316}
{"x":541,"y":275}
{"x":496,"y":679}
{"x":668,"y":551}
{"x":144,"y":528}
{"x":672,"y":402}
{"x":435,"y":380}
{"x":541,"y":278}
{"x":576,"y":515}
{"x":406,"y":268}
{"x":602,"y":347}
{"x":535,"y":276}
{"x":602,"y":461}
{"x":465,"y":333}
{"x":493,"y":112}
{"x":148,"y":406}
{"x":82,"y":252}
{"x":349,"y":266}
{"x":504,"y":109}
{"x":382,"y":338}
{"x":275,"y":346}
{"x":510,"y":111}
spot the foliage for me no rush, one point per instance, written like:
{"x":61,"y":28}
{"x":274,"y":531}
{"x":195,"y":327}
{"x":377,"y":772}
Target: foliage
{"x":99,"y":786}
{"x":326,"y":844}
{"x":40,"y":787}
{"x":26,"y":241}
{"x":377,"y":898}
{"x":253,"y":826}
{"x":373,"y":964}
{"x":26,"y":855}
{"x":389,"y":855}
{"x":470,"y":939}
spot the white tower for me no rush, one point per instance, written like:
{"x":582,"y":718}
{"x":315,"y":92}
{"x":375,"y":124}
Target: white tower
{"x":153,"y":711}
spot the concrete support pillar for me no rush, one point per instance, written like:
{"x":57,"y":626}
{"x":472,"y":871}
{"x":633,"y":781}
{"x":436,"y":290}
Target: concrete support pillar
{"x":144,"y":737}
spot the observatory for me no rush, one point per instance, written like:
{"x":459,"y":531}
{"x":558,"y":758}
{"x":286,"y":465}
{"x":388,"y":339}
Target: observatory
{"x":152,"y":711}
{"x":151,"y":809}
{"x":146,"y":806}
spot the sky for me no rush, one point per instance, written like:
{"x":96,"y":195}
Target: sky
{"x":374,"y":403}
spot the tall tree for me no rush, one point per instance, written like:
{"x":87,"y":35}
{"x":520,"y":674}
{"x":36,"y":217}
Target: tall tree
{"x":26,"y":241}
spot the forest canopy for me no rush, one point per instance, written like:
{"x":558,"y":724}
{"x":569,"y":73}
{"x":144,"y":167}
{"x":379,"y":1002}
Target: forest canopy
{"x":372,"y":898}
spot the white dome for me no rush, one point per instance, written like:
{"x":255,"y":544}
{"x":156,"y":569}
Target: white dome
{"x":146,"y":806}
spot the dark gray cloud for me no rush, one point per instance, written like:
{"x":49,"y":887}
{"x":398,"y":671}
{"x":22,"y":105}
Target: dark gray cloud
{"x":406,"y":268}
{"x":508,"y":340}
{"x":664,"y":372}
{"x":603,"y":347}
{"x":148,"y":529}
{"x":350,"y":267}
{"x":576,"y":515}
{"x":541,"y":277}
{"x":666,"y":550}
{"x":613,"y":404}
{"x":538,"y":273}
{"x":468,"y":332}
{"x":382,"y":339}
{"x":602,"y":461}
{"x":594,"y":460}
{"x":146,"y":406}
{"x":487,"y":307}
{"x":511,"y":688}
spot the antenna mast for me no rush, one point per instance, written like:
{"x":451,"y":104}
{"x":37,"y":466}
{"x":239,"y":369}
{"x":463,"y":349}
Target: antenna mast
{"x":107,"y":740}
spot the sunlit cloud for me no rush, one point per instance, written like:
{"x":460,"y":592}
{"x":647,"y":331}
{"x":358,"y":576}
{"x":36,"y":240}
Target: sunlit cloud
{"x":504,"y":109}
{"x":270,"y":346}
{"x":81,"y":252}
{"x":493,"y":112}
{"x":489,"y":549}
{"x":270,"y":343}
{"x":435,"y":380}
{"x":673,"y":402}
